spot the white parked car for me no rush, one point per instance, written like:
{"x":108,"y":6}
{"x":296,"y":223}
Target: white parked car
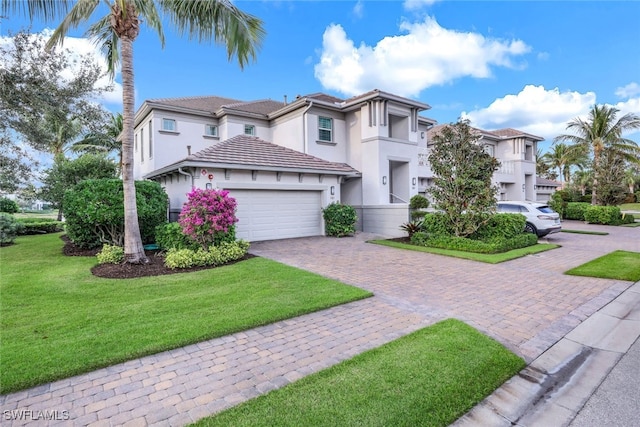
{"x":541,"y":219}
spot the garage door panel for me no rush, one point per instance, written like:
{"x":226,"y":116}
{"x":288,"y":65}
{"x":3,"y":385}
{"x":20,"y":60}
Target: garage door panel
{"x":277,"y":214}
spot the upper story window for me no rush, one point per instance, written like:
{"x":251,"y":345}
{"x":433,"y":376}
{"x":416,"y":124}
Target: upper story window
{"x":325,"y":129}
{"x":150,"y":141}
{"x":490,"y":150}
{"x":135,"y":143}
{"x":169,"y":125}
{"x":249,"y":130}
{"x":211,"y":130}
{"x":142,"y":144}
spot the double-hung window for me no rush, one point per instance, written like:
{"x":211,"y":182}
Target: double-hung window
{"x":150,"y":140}
{"x":325,"y":129}
{"x":169,"y":125}
{"x":211,"y":130}
{"x":249,"y":130}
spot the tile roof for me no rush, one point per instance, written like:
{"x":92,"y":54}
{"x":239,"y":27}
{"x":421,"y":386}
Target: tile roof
{"x":253,"y":151}
{"x":547,"y":182}
{"x":500,"y":133}
{"x":204,"y":103}
{"x":263,"y":106}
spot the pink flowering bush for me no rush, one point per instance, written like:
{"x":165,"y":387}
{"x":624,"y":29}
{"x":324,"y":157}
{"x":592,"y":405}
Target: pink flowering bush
{"x":207,"y":215}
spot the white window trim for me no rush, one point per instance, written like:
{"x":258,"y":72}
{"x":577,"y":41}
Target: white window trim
{"x":253,"y":130}
{"x":207,"y":135}
{"x":167,"y":131}
{"x":331,"y":141}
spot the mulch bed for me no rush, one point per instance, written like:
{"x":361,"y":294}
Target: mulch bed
{"x":155,"y":267}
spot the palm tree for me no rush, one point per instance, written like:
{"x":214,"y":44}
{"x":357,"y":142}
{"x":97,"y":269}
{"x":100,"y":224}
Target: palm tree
{"x":203,"y":20}
{"x":107,"y":140}
{"x":560,"y":157}
{"x":602,"y":131}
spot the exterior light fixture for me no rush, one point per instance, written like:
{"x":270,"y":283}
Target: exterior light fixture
{"x":523,"y":187}
{"x":413,"y":181}
{"x":333,"y":190}
{"x":384,"y":180}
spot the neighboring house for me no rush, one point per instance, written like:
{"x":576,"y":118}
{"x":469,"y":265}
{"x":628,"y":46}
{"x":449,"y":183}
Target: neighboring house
{"x":545,"y":189}
{"x":284,"y":162}
{"x":516,"y":177}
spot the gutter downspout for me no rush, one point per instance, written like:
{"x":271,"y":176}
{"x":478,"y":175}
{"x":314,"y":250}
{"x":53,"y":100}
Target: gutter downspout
{"x":304,"y":128}
{"x":193,"y":185}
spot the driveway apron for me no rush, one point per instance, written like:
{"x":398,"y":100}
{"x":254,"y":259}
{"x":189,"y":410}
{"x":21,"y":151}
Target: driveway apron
{"x":527,"y":304}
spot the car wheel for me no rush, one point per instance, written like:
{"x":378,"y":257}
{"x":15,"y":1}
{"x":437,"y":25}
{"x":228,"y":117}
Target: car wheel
{"x":530,"y":228}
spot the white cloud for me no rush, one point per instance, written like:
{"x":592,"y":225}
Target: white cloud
{"x":77,"y":47}
{"x":534,"y":110}
{"x":406,"y":64}
{"x":417,"y":4}
{"x":632,"y":89}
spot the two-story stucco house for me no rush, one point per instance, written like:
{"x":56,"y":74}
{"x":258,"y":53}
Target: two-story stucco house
{"x":285,"y":161}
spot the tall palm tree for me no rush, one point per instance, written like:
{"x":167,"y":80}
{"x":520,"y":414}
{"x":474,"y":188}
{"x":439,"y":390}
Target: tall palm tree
{"x":203,"y":20}
{"x":560,"y":157}
{"x":601,"y":131}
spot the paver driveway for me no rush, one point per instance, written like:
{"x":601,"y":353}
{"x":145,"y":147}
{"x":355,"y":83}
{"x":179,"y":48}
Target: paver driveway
{"x":527,"y":304}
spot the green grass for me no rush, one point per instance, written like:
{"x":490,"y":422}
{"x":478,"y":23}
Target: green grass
{"x":37,"y":214}
{"x":630,"y":207}
{"x":59,"y":320}
{"x":488,"y":258}
{"x":428,"y":378}
{"x":620,"y":265}
{"x":595,"y":233}
{"x":633,"y":224}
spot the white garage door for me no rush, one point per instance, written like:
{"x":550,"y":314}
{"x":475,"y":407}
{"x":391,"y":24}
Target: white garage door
{"x":277,"y":214}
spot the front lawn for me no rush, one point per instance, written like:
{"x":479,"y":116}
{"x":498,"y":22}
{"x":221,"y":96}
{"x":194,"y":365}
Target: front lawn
{"x":428,"y":378}
{"x":488,"y":258}
{"x":59,"y":320}
{"x":595,"y":233}
{"x":620,"y":265}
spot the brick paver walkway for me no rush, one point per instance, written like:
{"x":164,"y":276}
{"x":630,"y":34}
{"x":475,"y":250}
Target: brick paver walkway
{"x":527,"y":304}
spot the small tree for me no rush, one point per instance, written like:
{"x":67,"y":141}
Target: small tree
{"x":207,"y":214}
{"x":65,"y":174}
{"x":462,"y":178}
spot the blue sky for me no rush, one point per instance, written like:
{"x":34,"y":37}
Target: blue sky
{"x":528,"y":65}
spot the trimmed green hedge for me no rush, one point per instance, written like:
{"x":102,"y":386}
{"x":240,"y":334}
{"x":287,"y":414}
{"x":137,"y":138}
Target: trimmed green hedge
{"x":606,"y":215}
{"x":501,"y":225}
{"x":40,"y":226}
{"x":340,"y":220}
{"x":491,"y":246}
{"x":576,"y":210}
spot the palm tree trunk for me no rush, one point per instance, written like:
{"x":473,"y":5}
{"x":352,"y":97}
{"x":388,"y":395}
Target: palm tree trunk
{"x":133,"y":249}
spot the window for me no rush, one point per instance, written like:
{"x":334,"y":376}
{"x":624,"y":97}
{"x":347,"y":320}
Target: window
{"x":325,"y":129}
{"x":150,"y":142}
{"x":169,"y":125}
{"x":249,"y":130}
{"x":211,"y":130}
{"x":135,"y":143}
{"x":142,"y":145}
{"x":490,"y":150}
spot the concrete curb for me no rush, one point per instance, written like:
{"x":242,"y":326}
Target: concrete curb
{"x":554,"y":388}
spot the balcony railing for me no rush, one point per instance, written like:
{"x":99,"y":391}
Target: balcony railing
{"x":423,"y":156}
{"x":507,"y":167}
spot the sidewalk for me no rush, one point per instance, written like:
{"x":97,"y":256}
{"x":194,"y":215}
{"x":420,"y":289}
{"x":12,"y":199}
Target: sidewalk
{"x":588,"y":378}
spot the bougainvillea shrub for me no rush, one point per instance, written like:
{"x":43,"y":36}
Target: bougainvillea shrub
{"x":206,"y":214}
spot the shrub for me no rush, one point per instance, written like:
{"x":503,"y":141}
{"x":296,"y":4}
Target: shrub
{"x":170,"y":236}
{"x":340,"y":220}
{"x":94,"y":211}
{"x":436,"y":224}
{"x":40,"y":226}
{"x":110,"y":254}
{"x":206,"y":215}
{"x":559,"y":201}
{"x":8,"y":206}
{"x":212,"y":256}
{"x":638,"y":196}
{"x":418,"y":202}
{"x":491,"y":246}
{"x":9,"y":228}
{"x":416,"y":215}
{"x":411,"y":227}
{"x":575,"y":210}
{"x":606,"y":215}
{"x":501,"y":225}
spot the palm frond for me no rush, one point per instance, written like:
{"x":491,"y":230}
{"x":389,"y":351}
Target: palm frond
{"x":46,"y":10}
{"x":219,"y":21}
{"x":102,"y":34}
{"x":79,"y":14}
